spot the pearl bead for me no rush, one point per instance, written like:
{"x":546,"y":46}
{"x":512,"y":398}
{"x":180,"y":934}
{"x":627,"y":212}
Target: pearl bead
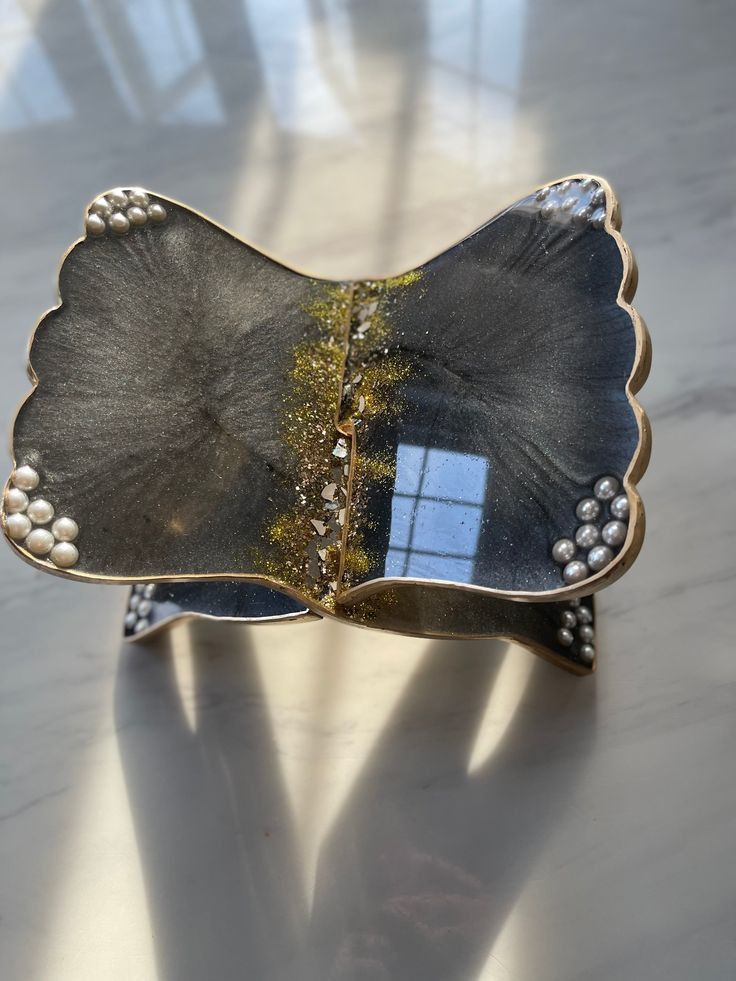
{"x":563,"y":550}
{"x":118,"y":198}
{"x":139,"y":587}
{"x":543,"y":194}
{"x":588,"y":509}
{"x":65,"y":529}
{"x":15,"y":500}
{"x":64,"y":554}
{"x":130,"y":621}
{"x":137,"y":216}
{"x":149,"y":590}
{"x":565,"y":636}
{"x":138,"y":197}
{"x":156,"y":212}
{"x":587,"y":536}
{"x":574,"y":603}
{"x":568,"y":204}
{"x":614,"y":533}
{"x":568,"y":618}
{"x":598,"y":196}
{"x":40,"y":511}
{"x":564,"y":187}
{"x":586,"y":183}
{"x":17,"y":526}
{"x":141,"y":625}
{"x":581,"y":215}
{"x":587,"y":653}
{"x":134,"y":601}
{"x":95,"y":225}
{"x":605,"y":488}
{"x":575,"y":571}
{"x":144,"y":607}
{"x":25,"y":477}
{"x":598,"y":218}
{"x":118,"y":223}
{"x":101,"y":206}
{"x":620,"y":507}
{"x":599,"y":557}
{"x":586,"y":633}
{"x":548,"y":210}
{"x":584,"y":615}
{"x":40,"y":541}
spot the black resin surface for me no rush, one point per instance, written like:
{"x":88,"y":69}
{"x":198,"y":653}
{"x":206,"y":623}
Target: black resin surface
{"x":167,"y":381}
{"x":156,"y":420}
{"x":514,"y":403}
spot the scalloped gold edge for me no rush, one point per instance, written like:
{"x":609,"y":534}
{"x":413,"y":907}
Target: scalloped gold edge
{"x":637,"y":466}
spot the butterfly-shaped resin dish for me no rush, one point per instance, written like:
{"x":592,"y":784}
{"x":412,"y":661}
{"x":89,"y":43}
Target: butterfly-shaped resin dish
{"x":452,"y":451}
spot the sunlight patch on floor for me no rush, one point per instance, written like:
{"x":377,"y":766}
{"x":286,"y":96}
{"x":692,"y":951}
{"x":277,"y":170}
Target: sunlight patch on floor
{"x":330,"y":700}
{"x":505,"y":696}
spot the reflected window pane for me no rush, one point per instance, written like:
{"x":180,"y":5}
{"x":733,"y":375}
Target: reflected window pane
{"x":158,"y":64}
{"x":30,"y":90}
{"x":436,"y":513}
{"x":476,"y":57}
{"x":451,"y":529}
{"x":439,"y":567}
{"x":409,"y":466}
{"x":167,"y":36}
{"x":402,"y":509}
{"x":458,"y":476}
{"x":300,"y":95}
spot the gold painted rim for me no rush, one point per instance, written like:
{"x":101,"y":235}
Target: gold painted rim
{"x":166,"y":623}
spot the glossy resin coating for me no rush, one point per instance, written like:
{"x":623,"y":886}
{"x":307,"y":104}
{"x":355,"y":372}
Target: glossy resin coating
{"x":515,"y":354}
{"x":469,"y":427}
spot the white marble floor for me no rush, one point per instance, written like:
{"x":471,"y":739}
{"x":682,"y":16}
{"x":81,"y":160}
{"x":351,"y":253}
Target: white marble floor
{"x":309,"y":803}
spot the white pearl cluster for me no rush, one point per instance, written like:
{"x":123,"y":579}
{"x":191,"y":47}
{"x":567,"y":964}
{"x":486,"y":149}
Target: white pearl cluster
{"x":120,"y":210}
{"x":573,"y":202}
{"x":576,"y":630}
{"x":600,"y":534}
{"x":26,"y":518}
{"x":140,"y":605}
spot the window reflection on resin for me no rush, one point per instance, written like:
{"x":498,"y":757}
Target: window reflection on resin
{"x":436,"y":513}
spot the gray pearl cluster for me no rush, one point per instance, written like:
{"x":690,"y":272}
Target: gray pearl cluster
{"x":120,"y":210}
{"x":140,"y":605}
{"x":26,"y":519}
{"x":601,"y":532}
{"x":576,"y":630}
{"x":573,"y":202}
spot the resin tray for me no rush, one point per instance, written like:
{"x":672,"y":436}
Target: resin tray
{"x":452,"y":451}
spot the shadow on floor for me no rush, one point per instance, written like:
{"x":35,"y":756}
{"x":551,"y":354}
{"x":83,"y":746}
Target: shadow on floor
{"x":424,"y":861}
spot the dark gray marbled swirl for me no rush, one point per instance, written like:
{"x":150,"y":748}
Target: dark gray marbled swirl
{"x":518,"y":355}
{"x":161,"y":379}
